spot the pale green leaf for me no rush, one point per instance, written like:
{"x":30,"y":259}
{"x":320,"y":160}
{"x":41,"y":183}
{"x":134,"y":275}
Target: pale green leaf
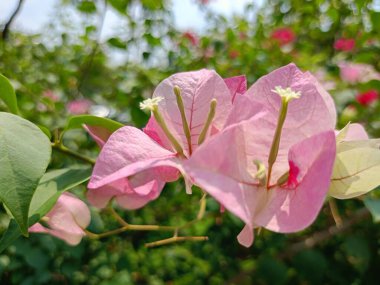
{"x":357,"y":168}
{"x":50,"y":187}
{"x":24,"y":155}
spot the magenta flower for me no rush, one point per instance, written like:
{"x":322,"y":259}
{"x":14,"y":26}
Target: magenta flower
{"x":344,"y":44}
{"x":67,"y":220}
{"x":367,"y":98}
{"x":283,"y":36}
{"x":271,"y":166}
{"x":79,"y":106}
{"x":357,"y":72}
{"x":187,"y":108}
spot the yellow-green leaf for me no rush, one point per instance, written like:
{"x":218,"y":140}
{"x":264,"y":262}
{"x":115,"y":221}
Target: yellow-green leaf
{"x":357,"y":168}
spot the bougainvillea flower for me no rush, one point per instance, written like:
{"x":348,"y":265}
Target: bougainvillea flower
{"x":134,"y":165}
{"x":66,"y":220}
{"x":283,"y":36}
{"x":344,"y":44}
{"x":236,"y":166}
{"x":367,"y":98}
{"x":357,"y":72}
{"x":79,"y":106}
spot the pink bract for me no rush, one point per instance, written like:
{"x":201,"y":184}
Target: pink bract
{"x":224,"y":166}
{"x":134,"y":165}
{"x":66,"y":220}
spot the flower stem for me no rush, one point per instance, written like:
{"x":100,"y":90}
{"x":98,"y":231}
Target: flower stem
{"x":335,"y":213}
{"x":118,"y":218}
{"x":61,"y":148}
{"x":130,"y":228}
{"x":174,"y":240}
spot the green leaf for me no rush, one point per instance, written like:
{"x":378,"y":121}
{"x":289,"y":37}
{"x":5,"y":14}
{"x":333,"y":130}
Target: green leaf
{"x":374,"y":207}
{"x":24,"y":155}
{"x":117,"y":43}
{"x":87,"y":7}
{"x":8,"y":95}
{"x":375,"y":18}
{"x":51,"y":186}
{"x":45,"y":130}
{"x":119,"y":5}
{"x":356,"y":170}
{"x":77,"y":122}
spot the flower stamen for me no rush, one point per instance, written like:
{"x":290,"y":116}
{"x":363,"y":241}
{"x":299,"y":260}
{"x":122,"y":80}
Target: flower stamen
{"x":287,"y":95}
{"x":185,"y":125}
{"x":152,"y":105}
{"x":210,"y":117}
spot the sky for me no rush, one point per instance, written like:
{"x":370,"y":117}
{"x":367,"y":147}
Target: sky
{"x":36,"y":13}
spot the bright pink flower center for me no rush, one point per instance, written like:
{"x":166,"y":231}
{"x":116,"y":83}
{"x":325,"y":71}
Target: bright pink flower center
{"x":293,"y":174}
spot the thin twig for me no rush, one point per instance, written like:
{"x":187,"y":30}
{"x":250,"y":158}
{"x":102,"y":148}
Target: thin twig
{"x":5,"y":32}
{"x":61,"y":148}
{"x":335,"y":212}
{"x":118,"y":218}
{"x":174,"y":240}
{"x":202,"y":207}
{"x":129,"y":228}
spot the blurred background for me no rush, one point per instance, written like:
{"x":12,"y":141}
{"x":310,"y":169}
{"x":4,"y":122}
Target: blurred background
{"x":68,"y":57}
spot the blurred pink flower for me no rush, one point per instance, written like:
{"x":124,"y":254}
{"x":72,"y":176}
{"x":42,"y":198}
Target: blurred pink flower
{"x":191,"y":37}
{"x":367,"y":98}
{"x":283,"y":36}
{"x":79,"y":106}
{"x":51,"y":95}
{"x":357,"y":72}
{"x":66,"y":220}
{"x":344,"y":44}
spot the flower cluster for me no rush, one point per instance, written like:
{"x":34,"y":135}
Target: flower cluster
{"x":269,"y":154}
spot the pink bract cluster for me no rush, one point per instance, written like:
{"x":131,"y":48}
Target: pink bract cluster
{"x":134,"y":164}
{"x":67,"y":220}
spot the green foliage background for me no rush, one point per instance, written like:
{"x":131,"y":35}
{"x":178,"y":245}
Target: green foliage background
{"x":70,"y":61}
